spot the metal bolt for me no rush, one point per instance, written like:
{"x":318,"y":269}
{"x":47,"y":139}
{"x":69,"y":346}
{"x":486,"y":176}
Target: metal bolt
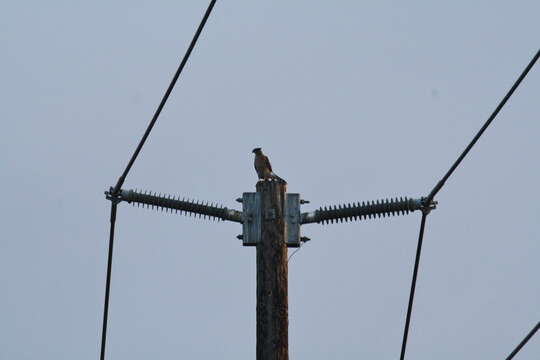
{"x":270,"y":214}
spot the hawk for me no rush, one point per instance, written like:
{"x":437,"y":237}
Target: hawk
{"x":263,"y":167}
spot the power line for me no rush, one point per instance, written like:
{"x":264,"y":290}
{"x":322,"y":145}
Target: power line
{"x":108,"y":282}
{"x":524,"y":341}
{"x":165,"y":97}
{"x":113,"y":194}
{"x":440,"y":184}
{"x":413,"y":284}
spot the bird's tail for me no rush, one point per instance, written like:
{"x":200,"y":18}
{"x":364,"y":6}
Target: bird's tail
{"x":274,"y":176}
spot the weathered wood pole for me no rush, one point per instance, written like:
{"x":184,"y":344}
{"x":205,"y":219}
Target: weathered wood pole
{"x":272,"y":301}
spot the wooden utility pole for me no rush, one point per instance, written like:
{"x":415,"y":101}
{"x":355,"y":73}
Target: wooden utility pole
{"x":272,"y":281}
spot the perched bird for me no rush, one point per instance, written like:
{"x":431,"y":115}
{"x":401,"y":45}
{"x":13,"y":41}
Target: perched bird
{"x":263,"y":167}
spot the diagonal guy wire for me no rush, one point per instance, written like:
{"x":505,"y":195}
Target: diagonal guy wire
{"x":115,"y":191}
{"x":524,"y":341}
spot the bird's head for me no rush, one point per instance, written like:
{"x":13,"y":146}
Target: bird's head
{"x":257,"y":151}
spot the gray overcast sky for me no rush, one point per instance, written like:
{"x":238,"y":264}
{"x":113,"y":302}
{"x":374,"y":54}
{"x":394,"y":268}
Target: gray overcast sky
{"x":351,"y":100}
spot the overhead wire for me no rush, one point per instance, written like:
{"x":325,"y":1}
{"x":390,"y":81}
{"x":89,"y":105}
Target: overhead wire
{"x":524,"y":341}
{"x":114,"y":191}
{"x":413,"y":285}
{"x":440,"y":184}
{"x":165,"y":97}
{"x":108,"y":281}
{"x":454,"y":166}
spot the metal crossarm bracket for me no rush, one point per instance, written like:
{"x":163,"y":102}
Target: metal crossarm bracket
{"x":251,"y":229}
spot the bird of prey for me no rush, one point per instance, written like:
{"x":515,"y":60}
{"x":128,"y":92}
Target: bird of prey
{"x":263,"y":167}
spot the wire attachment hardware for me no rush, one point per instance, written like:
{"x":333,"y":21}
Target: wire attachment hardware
{"x":428,"y":205}
{"x":359,"y":211}
{"x":149,"y":199}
